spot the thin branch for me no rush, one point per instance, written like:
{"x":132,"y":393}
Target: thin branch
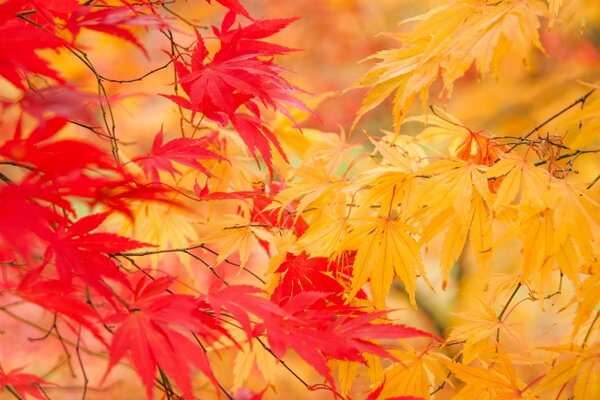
{"x":161,"y":251}
{"x":17,"y":164}
{"x":183,"y":19}
{"x":581,"y":100}
{"x":5,"y":178}
{"x":13,"y":392}
{"x":54,"y":328}
{"x":81,"y":365}
{"x":503,"y":311}
{"x":139,"y":78}
{"x":186,"y":250}
{"x":587,"y":335}
{"x":282,"y":363}
{"x":593,"y":182}
{"x":574,"y":154}
{"x":166,"y":383}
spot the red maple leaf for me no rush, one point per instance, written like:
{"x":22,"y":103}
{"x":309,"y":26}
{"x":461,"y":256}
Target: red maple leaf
{"x":18,"y":42}
{"x":79,"y":253}
{"x":374,"y":395}
{"x":311,"y":329}
{"x":152,"y":331}
{"x":186,"y":151}
{"x":61,"y":101}
{"x":46,"y":10}
{"x":110,"y":20}
{"x":60,"y":298}
{"x":23,"y":220}
{"x":301,"y":273}
{"x":235,"y":6}
{"x":54,"y":158}
{"x":305,"y":325}
{"x":23,"y":384}
{"x":241,"y":73}
{"x":242,"y":300}
{"x":203,"y":193}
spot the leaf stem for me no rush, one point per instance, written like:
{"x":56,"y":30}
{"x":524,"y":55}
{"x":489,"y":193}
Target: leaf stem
{"x":579,"y":100}
{"x":503,"y":311}
{"x":587,"y":335}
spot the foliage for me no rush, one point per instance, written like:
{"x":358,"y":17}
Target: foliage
{"x":436,"y":260}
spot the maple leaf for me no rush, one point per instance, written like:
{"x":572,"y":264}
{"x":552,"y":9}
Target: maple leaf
{"x":239,"y":301}
{"x":186,"y":151}
{"x":236,"y":233}
{"x":499,"y":381}
{"x":108,"y":20}
{"x":18,"y":42}
{"x":384,"y":250}
{"x":466,"y":33}
{"x":23,"y":220}
{"x":579,"y":364}
{"x":457,"y":200}
{"x":61,"y":101}
{"x":47,"y":10}
{"x":60,"y":298}
{"x":22,"y":383}
{"x":299,"y":273}
{"x":252,"y":353}
{"x":151,"y":331}
{"x":78,"y":252}
{"x":235,"y":6}
{"x":414,"y":374}
{"x":239,"y":74}
{"x":55,"y":159}
{"x":311,"y":329}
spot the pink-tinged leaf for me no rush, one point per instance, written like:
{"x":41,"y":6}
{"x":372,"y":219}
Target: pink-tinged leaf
{"x":184,"y":151}
{"x":60,"y":298}
{"x":23,"y":384}
{"x":242,"y":300}
{"x":247,"y":394}
{"x":61,"y":101}
{"x":111,"y":21}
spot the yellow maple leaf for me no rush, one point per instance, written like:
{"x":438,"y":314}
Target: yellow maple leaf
{"x":235,"y":233}
{"x":251,"y":354}
{"x":384,"y":250}
{"x":313,"y":184}
{"x":457,"y":203}
{"x":416,"y":374}
{"x":581,"y":364}
{"x":447,"y":40}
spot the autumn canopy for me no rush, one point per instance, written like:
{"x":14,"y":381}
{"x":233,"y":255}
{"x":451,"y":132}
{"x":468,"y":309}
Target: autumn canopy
{"x":257,"y":199}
